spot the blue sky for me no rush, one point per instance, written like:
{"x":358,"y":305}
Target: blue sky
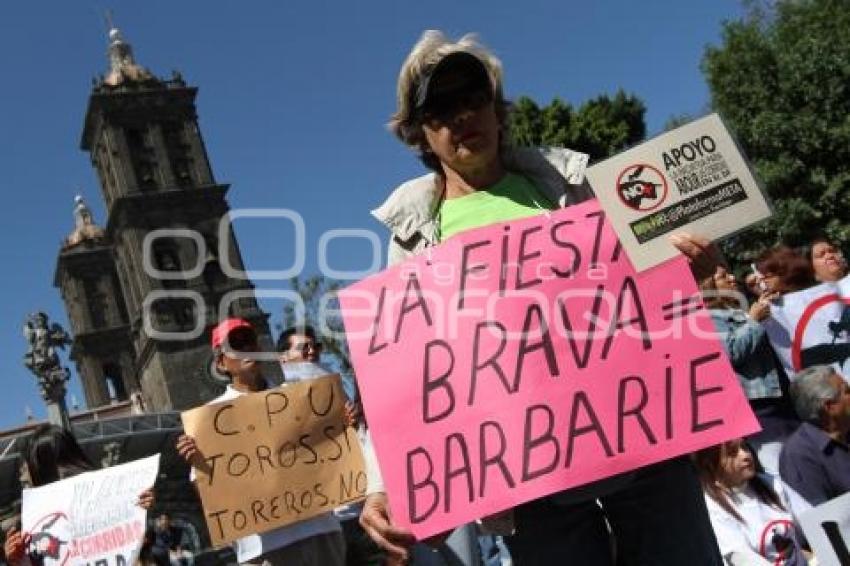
{"x":293,"y":101}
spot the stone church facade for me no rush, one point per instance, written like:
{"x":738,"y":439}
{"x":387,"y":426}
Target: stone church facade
{"x":143,"y":292}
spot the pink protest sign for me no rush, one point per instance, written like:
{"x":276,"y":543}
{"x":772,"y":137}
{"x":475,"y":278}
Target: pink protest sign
{"x":526,"y":358}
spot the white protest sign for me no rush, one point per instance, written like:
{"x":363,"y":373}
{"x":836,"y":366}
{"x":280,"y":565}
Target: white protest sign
{"x":827,"y":528}
{"x":812,"y":327}
{"x":91,"y":518}
{"x":691,"y":179}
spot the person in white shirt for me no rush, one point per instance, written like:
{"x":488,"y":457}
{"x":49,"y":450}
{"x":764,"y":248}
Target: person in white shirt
{"x":314,"y":542}
{"x":300,"y":355}
{"x":752,"y":513}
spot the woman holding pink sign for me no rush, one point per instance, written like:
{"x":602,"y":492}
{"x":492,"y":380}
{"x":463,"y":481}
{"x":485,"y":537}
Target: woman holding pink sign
{"x":452,"y":112}
{"x":759,"y":371}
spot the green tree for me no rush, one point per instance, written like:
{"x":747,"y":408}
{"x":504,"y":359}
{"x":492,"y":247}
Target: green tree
{"x":781,"y":79}
{"x":600,"y":127}
{"x":676,"y":121}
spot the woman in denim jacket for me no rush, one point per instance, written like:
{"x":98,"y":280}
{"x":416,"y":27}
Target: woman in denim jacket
{"x":761,"y":375}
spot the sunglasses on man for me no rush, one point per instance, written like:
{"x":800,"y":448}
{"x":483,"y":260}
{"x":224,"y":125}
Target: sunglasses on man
{"x":304,"y":347}
{"x":242,"y":340}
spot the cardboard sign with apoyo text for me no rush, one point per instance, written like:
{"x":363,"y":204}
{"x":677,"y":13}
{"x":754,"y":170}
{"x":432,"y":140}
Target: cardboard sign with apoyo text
{"x":521,"y":359}
{"x":275,"y":457}
{"x":691,"y":179}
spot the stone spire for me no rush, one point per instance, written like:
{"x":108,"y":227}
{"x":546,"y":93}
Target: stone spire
{"x":122,"y":67}
{"x":84,"y":226}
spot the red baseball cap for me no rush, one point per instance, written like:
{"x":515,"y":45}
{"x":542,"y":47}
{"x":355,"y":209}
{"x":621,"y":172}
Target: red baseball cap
{"x":225,"y":327}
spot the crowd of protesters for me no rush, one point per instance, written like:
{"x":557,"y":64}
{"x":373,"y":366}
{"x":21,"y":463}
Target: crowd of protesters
{"x":736,"y":503}
{"x":757,"y":487}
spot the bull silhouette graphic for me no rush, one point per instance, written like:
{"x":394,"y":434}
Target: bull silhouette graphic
{"x":634,"y":190}
{"x":831,"y":353}
{"x":45,"y":544}
{"x":842,"y":325}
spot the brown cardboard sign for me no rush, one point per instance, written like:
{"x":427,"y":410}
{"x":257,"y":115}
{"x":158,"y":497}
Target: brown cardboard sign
{"x":275,"y":457}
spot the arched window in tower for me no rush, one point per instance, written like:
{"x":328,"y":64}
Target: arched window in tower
{"x":179,"y":152}
{"x":166,"y":257}
{"x":213,"y":275}
{"x":114,"y":382}
{"x":97,"y":302}
{"x":172,"y":314}
{"x":143,"y":158}
{"x":185,"y":313}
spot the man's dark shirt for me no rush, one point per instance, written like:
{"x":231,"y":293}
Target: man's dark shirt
{"x":814,"y":465}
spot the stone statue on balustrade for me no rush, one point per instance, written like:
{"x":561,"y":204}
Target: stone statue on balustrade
{"x":42,"y":358}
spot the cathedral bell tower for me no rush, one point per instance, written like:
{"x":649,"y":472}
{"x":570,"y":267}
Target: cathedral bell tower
{"x":102,"y":349}
{"x":161,"y":236}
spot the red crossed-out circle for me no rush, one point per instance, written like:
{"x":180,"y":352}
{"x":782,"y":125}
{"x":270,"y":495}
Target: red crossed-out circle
{"x":661,"y":198}
{"x":53,"y":518}
{"x":803,"y":323}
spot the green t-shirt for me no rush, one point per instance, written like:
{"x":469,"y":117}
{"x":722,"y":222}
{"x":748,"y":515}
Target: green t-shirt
{"x":511,"y":198}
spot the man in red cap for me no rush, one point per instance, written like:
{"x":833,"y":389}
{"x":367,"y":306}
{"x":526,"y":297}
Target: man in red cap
{"x":231,"y":337}
{"x":315,"y":542}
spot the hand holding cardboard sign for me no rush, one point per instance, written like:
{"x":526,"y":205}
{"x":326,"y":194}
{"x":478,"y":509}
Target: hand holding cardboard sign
{"x":375,"y":520}
{"x":703,"y":255}
{"x":188,"y":450}
{"x":353,"y":413}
